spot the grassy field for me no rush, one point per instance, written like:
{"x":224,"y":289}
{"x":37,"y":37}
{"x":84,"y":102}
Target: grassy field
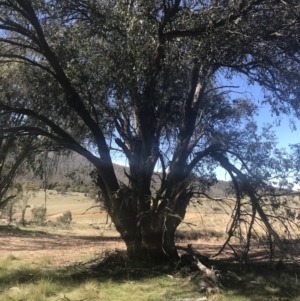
{"x":58,"y":203}
{"x":39,"y":279}
{"x":206,"y":219}
{"x":41,"y":282}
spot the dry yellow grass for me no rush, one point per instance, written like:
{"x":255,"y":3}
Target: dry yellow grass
{"x":58,"y":203}
{"x":211,"y":218}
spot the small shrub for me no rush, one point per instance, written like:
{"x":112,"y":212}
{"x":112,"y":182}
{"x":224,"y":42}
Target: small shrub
{"x":39,"y":215}
{"x":214,"y":233}
{"x":84,"y":190}
{"x":216,"y":209}
{"x":194,"y":235}
{"x":188,"y":235}
{"x":65,"y":219}
{"x":93,"y":194}
{"x":61,"y":189}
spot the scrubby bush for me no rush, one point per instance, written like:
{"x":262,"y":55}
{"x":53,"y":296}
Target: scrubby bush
{"x":65,"y":219}
{"x":61,"y":189}
{"x":188,"y":235}
{"x":52,"y":185}
{"x":194,"y":235}
{"x":10,"y":210}
{"x":93,"y":194}
{"x":84,"y":189}
{"x":39,"y":215}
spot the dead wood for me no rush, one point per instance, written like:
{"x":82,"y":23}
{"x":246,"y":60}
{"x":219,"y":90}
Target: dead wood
{"x":200,"y":263}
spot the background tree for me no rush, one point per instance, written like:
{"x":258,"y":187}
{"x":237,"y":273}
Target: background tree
{"x":144,"y":78}
{"x":39,"y":215}
{"x":14,"y":151}
{"x":18,"y":155}
{"x":28,"y":192}
{"x":9,"y":208}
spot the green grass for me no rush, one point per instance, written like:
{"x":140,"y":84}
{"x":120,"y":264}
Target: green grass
{"x":34,"y":282}
{"x":260,"y":283}
{"x":41,"y":282}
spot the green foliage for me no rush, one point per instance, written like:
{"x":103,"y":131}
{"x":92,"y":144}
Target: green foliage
{"x":39,"y":215}
{"x":17,"y":155}
{"x":65,"y":219}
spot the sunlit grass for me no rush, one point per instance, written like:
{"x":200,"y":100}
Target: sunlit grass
{"x":159,"y":288}
{"x":34,"y":282}
{"x":6,"y":262}
{"x":29,"y":283}
{"x":44,"y":261}
{"x":207,"y":216}
{"x":43,"y":289}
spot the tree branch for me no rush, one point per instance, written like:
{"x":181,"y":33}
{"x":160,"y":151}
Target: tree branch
{"x":250,"y":191}
{"x":200,"y":155}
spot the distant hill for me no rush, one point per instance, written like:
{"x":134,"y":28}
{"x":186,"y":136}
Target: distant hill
{"x":72,"y":173}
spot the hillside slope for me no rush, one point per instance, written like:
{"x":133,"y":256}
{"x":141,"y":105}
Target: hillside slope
{"x":72,"y":173}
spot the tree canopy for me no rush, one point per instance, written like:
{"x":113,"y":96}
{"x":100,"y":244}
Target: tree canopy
{"x":146,"y":78}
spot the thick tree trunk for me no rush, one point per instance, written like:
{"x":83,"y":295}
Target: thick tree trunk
{"x":156,"y":246}
{"x":147,"y":237}
{"x":148,"y":230}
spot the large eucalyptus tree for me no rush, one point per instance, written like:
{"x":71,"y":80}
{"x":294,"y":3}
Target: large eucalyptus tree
{"x":145,"y":78}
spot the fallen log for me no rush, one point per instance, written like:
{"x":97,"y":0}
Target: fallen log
{"x":210,"y":274}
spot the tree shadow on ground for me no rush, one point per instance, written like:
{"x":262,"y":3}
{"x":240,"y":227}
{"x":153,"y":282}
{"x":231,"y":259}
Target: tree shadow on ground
{"x":16,"y":231}
{"x":256,"y":282}
{"x":260,"y":281}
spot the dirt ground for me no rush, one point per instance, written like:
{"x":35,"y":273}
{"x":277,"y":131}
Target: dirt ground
{"x":61,"y":250}
{"x":67,"y":250}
